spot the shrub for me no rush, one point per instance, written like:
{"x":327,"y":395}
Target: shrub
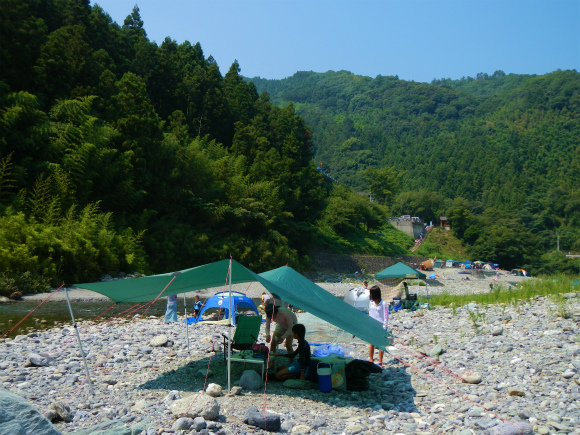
{"x":22,"y":283}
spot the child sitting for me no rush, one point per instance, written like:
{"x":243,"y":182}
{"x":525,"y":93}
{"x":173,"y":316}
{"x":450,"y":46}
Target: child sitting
{"x":296,"y":368}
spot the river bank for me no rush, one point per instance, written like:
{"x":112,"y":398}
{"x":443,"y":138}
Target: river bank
{"x":447,"y":280}
{"x":502,"y":348}
{"x":88,"y":305}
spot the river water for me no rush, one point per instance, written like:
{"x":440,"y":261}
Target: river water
{"x":51,"y":314}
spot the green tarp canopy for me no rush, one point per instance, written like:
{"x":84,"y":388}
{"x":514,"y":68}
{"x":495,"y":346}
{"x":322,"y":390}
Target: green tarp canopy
{"x":303,"y":293}
{"x":291,"y":286}
{"x":401,"y":271}
{"x":148,"y":288}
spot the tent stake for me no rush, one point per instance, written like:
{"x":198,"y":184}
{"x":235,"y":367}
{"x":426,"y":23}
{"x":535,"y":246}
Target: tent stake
{"x":79,"y":340}
{"x":186,"y":322}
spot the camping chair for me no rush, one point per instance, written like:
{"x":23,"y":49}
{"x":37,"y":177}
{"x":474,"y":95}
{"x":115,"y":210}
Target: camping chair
{"x":246,"y":335}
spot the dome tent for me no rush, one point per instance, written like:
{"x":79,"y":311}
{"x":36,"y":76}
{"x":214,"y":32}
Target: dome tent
{"x":221,"y":301}
{"x":358,"y":297}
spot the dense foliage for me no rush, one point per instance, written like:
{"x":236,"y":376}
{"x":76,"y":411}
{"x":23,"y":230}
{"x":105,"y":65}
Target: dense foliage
{"x":498,"y":155}
{"x":118,"y":154}
{"x":443,"y":245}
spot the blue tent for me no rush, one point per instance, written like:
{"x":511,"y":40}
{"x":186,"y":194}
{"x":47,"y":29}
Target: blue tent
{"x":221,"y":300}
{"x":468,"y":264}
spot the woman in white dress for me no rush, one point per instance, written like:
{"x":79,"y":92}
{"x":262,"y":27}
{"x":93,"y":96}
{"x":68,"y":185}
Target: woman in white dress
{"x":378,"y":310}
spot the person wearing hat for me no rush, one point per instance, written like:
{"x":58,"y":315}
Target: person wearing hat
{"x":285,"y":320}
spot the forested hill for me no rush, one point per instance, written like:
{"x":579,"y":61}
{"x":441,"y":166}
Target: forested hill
{"x":507,"y":142}
{"x":118,"y":154}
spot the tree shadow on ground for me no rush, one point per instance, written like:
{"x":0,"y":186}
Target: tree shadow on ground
{"x":393,"y":384}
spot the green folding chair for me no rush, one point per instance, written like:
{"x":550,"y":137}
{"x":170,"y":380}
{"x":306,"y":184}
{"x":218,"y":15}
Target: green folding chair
{"x":246,"y":335}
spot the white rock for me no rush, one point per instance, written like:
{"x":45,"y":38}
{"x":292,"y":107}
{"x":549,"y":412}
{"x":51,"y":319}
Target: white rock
{"x":160,"y":340}
{"x":196,"y":405}
{"x":214,"y":390}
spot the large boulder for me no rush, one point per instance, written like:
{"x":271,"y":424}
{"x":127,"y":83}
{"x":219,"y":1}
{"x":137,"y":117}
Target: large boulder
{"x":267,"y":421}
{"x":17,"y":416}
{"x":250,"y":380}
{"x":196,"y":405}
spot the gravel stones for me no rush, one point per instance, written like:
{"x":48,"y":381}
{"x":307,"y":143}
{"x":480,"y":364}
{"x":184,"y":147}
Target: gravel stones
{"x":149,"y":380}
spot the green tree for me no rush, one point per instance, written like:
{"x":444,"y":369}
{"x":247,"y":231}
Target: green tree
{"x":140,"y":129}
{"x":22,"y":33}
{"x":459,"y":215}
{"x":426,"y":204}
{"x":241,"y":96}
{"x":65,"y":62}
{"x":383,"y":183}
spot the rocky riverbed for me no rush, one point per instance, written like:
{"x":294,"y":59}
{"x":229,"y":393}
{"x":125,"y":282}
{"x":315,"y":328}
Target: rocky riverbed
{"x":463,"y":371}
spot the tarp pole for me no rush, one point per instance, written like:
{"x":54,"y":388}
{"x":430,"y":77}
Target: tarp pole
{"x":230,"y":331}
{"x":79,"y":340}
{"x":186,"y":322}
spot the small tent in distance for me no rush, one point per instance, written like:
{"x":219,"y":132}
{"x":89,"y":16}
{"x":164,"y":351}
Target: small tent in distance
{"x":392,"y":278}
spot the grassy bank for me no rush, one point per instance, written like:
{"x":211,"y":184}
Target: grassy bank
{"x":553,"y":285}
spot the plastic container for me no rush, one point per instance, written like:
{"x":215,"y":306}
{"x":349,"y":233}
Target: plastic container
{"x":324,"y":377}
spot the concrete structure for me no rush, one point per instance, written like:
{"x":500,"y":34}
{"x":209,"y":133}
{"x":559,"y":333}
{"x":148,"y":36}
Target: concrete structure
{"x":413,"y":227}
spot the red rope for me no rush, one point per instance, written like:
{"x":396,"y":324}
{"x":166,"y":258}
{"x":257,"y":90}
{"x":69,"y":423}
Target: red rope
{"x":457,"y":393}
{"x":100,"y":315}
{"x":212,"y":346}
{"x":25,"y":317}
{"x":67,"y":342}
{"x":430,"y":361}
{"x":100,"y":363}
{"x":264,"y":403}
{"x":138,"y":305}
{"x":119,"y":340}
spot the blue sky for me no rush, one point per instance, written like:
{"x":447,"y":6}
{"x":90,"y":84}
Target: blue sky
{"x":415,"y":39}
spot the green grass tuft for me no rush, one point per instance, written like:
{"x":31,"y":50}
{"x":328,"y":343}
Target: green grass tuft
{"x":528,"y":290}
